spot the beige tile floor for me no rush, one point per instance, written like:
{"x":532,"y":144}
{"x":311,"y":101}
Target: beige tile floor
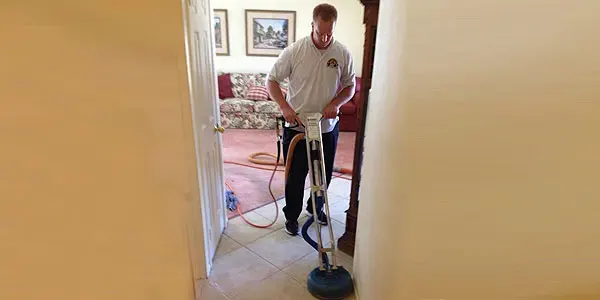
{"x":253,"y":263}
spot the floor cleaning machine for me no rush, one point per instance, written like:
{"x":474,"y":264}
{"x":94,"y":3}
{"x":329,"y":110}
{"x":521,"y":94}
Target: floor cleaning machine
{"x":327,"y":281}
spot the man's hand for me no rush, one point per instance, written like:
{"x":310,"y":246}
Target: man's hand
{"x":290,"y":115}
{"x":287,"y":111}
{"x":331,"y":111}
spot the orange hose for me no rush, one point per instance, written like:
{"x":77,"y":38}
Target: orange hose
{"x":239,"y":210}
{"x":295,"y":141}
{"x":248,"y":165}
{"x":297,"y":138}
{"x":252,"y":158}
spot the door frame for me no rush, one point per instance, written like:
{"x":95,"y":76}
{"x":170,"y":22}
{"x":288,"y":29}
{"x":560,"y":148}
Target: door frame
{"x":198,"y":238}
{"x":198,"y":214}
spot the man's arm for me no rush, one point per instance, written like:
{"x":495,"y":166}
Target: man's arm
{"x":348,"y":81}
{"x":281,"y":70}
{"x":344,"y":96}
{"x":276,"y":94}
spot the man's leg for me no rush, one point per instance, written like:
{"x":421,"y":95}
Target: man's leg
{"x":330,"y":141}
{"x":294,"y":186}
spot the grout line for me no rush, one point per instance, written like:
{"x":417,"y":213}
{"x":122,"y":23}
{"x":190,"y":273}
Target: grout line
{"x":252,"y":241}
{"x":264,"y":259}
{"x":290,"y":275}
{"x":265,"y":279}
{"x":302,"y":218}
{"x":218,"y":288}
{"x":277,"y":270}
{"x":222,"y":254}
{"x":259,"y":207}
{"x":263,"y":215}
{"x":267,"y":231}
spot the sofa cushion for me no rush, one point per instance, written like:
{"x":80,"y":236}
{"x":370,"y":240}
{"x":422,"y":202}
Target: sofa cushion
{"x":237,"y":105}
{"x":270,"y":107}
{"x":261,"y":79}
{"x":224,"y":84}
{"x":249,"y":120}
{"x":257,"y":93}
{"x":240,"y":82}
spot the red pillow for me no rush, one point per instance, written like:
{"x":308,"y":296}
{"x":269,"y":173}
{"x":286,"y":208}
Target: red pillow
{"x":224,"y":84}
{"x":257,"y":93}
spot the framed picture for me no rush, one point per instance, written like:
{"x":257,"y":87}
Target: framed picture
{"x":268,"y":32}
{"x":221,"y":30}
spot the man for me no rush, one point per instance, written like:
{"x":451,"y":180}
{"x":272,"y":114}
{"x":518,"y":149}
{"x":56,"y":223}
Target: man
{"x":317,"y":66}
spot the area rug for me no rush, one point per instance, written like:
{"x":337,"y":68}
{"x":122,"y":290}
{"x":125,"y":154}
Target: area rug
{"x":250,"y":184}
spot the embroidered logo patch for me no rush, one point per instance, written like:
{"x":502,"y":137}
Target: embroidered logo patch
{"x":332,"y":63}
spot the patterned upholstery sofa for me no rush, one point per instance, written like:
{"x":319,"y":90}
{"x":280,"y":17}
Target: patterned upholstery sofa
{"x":245,"y":103}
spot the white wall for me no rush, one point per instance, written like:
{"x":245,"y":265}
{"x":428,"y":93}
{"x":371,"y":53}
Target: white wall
{"x":486,"y":188}
{"x":349,"y":31}
{"x":96,"y":152}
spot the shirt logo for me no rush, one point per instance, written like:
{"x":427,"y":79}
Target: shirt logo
{"x":332,"y":63}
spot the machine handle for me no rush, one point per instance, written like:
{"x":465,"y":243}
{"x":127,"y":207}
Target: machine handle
{"x":282,"y":120}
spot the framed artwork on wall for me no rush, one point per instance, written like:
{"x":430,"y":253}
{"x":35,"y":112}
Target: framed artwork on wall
{"x":268,"y":32}
{"x":221,"y":30}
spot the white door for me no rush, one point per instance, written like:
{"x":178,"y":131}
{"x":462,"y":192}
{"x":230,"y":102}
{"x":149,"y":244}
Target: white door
{"x":206,"y":119}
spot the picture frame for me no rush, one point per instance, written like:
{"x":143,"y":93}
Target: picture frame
{"x":221,"y":32}
{"x":268,"y":32}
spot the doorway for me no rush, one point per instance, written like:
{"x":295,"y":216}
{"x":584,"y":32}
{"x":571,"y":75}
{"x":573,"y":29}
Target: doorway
{"x":245,"y":256}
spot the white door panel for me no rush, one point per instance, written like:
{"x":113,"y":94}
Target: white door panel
{"x":206,"y":120}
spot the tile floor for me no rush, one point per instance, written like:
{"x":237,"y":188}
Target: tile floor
{"x":253,"y":263}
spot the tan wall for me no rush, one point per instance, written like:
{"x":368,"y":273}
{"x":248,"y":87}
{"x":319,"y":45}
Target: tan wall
{"x":94,"y":151}
{"x":483,"y":181}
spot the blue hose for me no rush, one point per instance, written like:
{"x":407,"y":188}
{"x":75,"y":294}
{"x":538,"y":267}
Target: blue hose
{"x":312,"y":242}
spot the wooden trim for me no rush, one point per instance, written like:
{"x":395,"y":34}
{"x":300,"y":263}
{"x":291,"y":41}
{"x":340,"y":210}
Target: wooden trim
{"x":346,"y":243}
{"x":369,"y":2}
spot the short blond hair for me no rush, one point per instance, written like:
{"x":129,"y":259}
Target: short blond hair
{"x":326,"y":12}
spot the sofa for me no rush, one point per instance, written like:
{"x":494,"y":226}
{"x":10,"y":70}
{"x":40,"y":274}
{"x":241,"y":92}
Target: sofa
{"x":245,"y":103}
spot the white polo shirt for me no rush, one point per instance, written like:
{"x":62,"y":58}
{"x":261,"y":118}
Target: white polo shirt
{"x":314,"y":76}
